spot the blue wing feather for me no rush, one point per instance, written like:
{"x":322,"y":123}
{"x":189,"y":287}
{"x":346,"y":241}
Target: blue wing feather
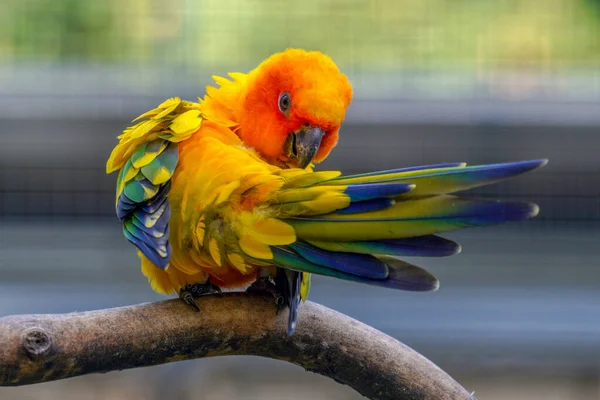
{"x":143,"y":205}
{"x":158,"y":250}
{"x":370,"y":191}
{"x":420,"y":246}
{"x":153,"y":224}
{"x":402,"y":275}
{"x":355,"y":264}
{"x":366,"y":206}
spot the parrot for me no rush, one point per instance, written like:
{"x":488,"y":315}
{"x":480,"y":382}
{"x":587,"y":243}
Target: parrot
{"x":221,"y":194}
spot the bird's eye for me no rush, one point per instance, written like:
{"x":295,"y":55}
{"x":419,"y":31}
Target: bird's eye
{"x":284,"y":102}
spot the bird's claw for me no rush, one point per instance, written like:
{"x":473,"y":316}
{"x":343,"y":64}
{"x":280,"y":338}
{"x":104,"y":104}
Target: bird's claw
{"x":262,"y":284}
{"x":267,"y":285}
{"x":188,"y":293}
{"x":188,"y":299}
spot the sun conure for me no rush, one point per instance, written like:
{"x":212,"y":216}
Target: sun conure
{"x":221,"y":193}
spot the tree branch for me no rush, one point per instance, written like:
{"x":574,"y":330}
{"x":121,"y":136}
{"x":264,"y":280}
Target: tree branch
{"x":40,"y":348}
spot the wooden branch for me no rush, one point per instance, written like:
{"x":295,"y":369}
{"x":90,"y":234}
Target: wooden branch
{"x":40,"y":348}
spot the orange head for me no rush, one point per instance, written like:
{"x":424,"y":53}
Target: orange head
{"x":294,"y":104}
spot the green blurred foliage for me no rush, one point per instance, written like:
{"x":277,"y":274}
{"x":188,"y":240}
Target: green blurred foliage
{"x":358,"y":34}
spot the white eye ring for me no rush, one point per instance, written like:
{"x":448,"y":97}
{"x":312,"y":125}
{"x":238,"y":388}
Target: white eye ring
{"x":285,"y":102}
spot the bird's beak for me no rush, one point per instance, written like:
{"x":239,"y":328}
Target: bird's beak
{"x":302,"y":145}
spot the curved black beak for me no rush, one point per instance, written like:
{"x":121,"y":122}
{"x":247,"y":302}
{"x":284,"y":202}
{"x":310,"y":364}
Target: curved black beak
{"x":302,"y":145}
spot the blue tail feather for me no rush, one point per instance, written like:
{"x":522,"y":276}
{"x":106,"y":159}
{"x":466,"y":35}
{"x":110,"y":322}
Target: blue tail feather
{"x":402,"y":275}
{"x":366,"y":206}
{"x":356,"y":264}
{"x":288,"y":284}
{"x":369,"y":191}
{"x":420,"y":246}
{"x":150,"y":246}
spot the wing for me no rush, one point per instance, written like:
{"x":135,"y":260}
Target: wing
{"x":350,"y":228}
{"x":146,"y":157}
{"x":353,"y":227}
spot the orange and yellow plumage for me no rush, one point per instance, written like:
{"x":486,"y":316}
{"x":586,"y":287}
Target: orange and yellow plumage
{"x":211,"y":192}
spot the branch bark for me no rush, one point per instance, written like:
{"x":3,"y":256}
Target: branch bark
{"x":40,"y":348}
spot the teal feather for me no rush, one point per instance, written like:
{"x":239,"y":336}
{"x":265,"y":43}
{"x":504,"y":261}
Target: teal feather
{"x":122,"y":174}
{"x":147,"y":152}
{"x":140,"y":189}
{"x":160,"y":170}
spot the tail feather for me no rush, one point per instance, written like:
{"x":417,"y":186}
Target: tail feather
{"x":401,"y":275}
{"x":401,"y":170}
{"x":352,"y":263}
{"x":351,"y":227}
{"x":289,"y":284}
{"x":348,"y":227}
{"x":366,"y":206}
{"x":445,"y":179}
{"x":420,"y":246}
{"x":418,"y":217}
{"x":362,"y":192}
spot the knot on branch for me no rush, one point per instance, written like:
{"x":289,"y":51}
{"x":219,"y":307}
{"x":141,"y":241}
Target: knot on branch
{"x":36,"y":343}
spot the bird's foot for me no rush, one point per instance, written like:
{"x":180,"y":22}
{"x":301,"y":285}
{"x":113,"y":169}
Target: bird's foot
{"x":190,"y":292}
{"x":266,"y":284}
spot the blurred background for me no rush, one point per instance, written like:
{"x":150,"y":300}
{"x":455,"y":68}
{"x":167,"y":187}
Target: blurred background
{"x":435,"y":81}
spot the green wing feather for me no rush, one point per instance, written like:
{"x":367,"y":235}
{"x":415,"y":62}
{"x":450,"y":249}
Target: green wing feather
{"x":146,"y":157}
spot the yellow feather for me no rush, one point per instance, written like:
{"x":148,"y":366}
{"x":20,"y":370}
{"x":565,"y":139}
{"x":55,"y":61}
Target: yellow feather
{"x":237,"y":76}
{"x":395,"y":176}
{"x":260,"y":188}
{"x":131,"y":173}
{"x":200,"y":231}
{"x":238,"y":262}
{"x":166,"y":111}
{"x":162,"y":176}
{"x":188,"y":122}
{"x":158,"y":278}
{"x":211,"y":91}
{"x":313,"y":178}
{"x":305,"y":194}
{"x":143,"y":128}
{"x":146,"y":115}
{"x":180,"y":279}
{"x":327,"y":203}
{"x":118,"y":157}
{"x":226,"y":190}
{"x":221,"y":81}
{"x":144,"y":160}
{"x":170,"y":102}
{"x":290,"y":173}
{"x":273,"y":232}
{"x":255,"y":248}
{"x":215,"y":252}
{"x":304,"y":286}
